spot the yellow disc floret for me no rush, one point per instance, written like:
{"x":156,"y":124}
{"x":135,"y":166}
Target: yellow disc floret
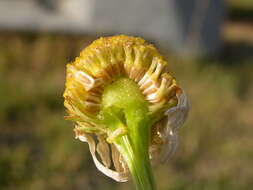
{"x":109,"y":58}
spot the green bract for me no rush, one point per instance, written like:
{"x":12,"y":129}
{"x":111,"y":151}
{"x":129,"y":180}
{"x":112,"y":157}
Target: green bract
{"x":126,"y":106}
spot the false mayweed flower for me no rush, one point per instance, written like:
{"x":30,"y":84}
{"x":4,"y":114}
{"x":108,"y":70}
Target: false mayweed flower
{"x":126,"y":106}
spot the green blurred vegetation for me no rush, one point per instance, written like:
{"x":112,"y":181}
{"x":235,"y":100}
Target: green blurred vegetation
{"x":38,"y":149}
{"x":242,"y":4}
{"x":240,"y":10}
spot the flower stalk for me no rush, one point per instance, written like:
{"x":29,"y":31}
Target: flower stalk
{"x":124,"y":105}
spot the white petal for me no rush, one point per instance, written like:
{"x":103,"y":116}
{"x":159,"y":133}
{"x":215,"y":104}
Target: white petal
{"x":176,"y":116}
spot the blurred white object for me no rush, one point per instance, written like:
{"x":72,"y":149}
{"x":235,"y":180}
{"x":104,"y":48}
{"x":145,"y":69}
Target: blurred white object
{"x":185,"y":26}
{"x":46,"y":15}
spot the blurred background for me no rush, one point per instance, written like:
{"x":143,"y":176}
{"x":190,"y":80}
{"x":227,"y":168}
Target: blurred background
{"x":209,"y":45}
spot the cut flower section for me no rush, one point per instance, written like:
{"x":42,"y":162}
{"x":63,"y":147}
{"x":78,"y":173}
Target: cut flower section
{"x":126,"y":106}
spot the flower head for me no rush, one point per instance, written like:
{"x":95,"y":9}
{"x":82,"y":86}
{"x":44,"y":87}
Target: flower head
{"x":121,"y":95}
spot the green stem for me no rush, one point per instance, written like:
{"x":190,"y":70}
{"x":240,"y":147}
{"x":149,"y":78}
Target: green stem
{"x":125,"y":108}
{"x":138,"y":164}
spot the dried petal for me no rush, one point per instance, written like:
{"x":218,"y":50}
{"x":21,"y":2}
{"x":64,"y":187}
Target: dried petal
{"x":104,"y":151}
{"x":117,"y":176}
{"x":116,"y":159}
